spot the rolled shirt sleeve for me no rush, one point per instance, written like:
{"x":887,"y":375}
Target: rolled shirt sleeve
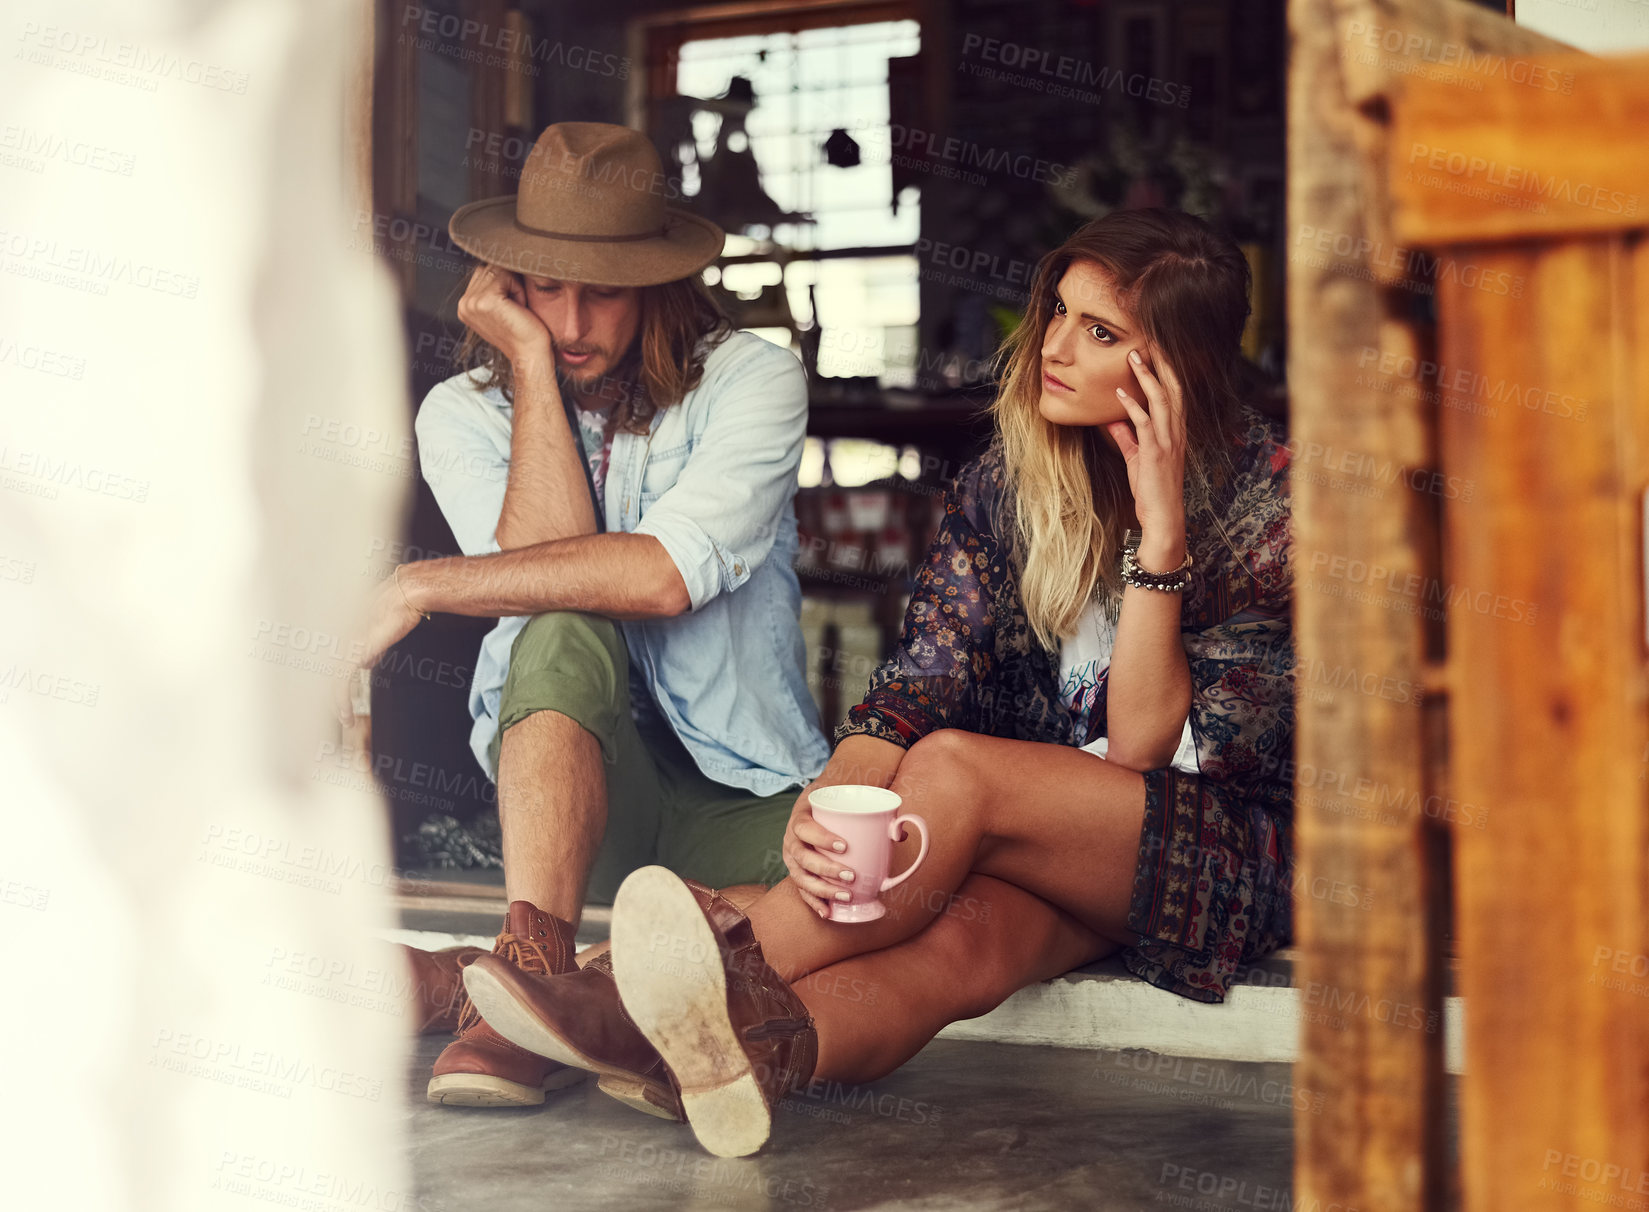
{"x":461,"y":461}
{"x":719,"y":519}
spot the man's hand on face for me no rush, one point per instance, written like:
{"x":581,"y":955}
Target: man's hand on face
{"x":494,"y":307}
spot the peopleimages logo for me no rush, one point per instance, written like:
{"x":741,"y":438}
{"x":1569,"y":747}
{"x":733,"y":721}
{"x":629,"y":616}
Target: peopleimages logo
{"x":41,"y":360}
{"x":1033,"y":67}
{"x":512,"y":47}
{"x":967,"y":154}
{"x":123,"y":62}
{"x":47,"y":473}
{"x":72,"y":264}
{"x":36,"y":147}
{"x":1420,"y":269}
{"x":1416,"y":49}
{"x":949,"y":156}
{"x":1520,"y":185}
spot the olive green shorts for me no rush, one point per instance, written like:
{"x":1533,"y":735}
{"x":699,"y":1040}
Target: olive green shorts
{"x":660,"y":807}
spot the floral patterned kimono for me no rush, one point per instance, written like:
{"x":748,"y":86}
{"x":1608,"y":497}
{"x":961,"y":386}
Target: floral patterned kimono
{"x":1212,"y":888}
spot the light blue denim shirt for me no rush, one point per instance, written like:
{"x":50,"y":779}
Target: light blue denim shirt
{"x":714,"y":481}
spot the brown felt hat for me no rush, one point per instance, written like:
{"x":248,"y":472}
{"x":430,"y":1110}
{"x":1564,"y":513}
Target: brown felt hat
{"x":591,"y":208}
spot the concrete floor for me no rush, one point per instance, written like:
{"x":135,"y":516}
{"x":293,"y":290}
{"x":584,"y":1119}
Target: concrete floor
{"x":963,"y":1126}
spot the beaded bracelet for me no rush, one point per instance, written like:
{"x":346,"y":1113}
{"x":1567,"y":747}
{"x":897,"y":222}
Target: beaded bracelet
{"x":1175,"y":581}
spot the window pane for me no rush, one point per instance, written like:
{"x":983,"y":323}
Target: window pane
{"x":808,"y":84}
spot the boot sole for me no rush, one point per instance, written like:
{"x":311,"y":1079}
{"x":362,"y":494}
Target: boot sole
{"x":670,"y":977}
{"x":512,"y":1016}
{"x":634,"y":1093}
{"x":485,"y":1090}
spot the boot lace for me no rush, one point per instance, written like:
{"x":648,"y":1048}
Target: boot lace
{"x":525,"y":953}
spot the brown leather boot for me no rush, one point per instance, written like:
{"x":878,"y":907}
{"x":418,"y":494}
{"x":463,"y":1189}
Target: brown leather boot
{"x":481,"y":1068}
{"x":576,"y":1019}
{"x":438,"y":986}
{"x":732,"y":1032}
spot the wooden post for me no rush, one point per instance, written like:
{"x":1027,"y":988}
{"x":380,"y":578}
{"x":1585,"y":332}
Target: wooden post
{"x":1545,"y":409}
{"x":1370,"y":1145}
{"x":1371,"y":695}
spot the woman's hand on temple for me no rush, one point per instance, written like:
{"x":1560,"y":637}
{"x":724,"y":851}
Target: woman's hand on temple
{"x":1154,"y":450}
{"x":808,"y":845}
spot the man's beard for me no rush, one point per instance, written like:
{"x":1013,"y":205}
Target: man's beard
{"x":616,"y":385}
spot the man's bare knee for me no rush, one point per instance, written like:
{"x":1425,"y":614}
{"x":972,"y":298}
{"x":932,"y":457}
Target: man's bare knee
{"x":547,"y":726}
{"x":543,"y":737}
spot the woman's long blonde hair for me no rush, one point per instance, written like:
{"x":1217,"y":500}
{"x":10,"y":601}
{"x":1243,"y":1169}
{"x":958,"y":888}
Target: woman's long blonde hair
{"x":1187,"y":289}
{"x":665,"y":363}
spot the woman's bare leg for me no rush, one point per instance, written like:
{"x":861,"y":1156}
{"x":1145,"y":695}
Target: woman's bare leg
{"x":874,"y":1012}
{"x":1059,"y":823}
{"x":742,"y":896}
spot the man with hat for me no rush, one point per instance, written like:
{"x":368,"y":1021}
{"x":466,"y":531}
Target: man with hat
{"x":618,"y":467}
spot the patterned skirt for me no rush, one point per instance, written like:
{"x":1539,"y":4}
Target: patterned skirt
{"x":1213,"y":889}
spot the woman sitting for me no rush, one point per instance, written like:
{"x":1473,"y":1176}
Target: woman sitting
{"x":1091,"y":705}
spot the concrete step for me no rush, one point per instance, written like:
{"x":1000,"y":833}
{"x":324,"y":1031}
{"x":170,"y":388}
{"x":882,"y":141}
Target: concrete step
{"x":1101,"y":1006}
{"x":1104,"y":1006}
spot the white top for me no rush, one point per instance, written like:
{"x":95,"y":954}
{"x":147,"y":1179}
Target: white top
{"x":1084,"y":662}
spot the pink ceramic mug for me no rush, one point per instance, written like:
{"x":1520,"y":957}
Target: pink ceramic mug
{"x":868,"y":820}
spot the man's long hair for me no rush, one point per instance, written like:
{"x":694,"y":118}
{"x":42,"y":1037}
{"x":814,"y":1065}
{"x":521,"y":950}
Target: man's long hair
{"x":680,"y":322}
{"x":1187,"y":289}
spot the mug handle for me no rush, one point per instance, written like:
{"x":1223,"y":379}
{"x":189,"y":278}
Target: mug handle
{"x":893,"y":832}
